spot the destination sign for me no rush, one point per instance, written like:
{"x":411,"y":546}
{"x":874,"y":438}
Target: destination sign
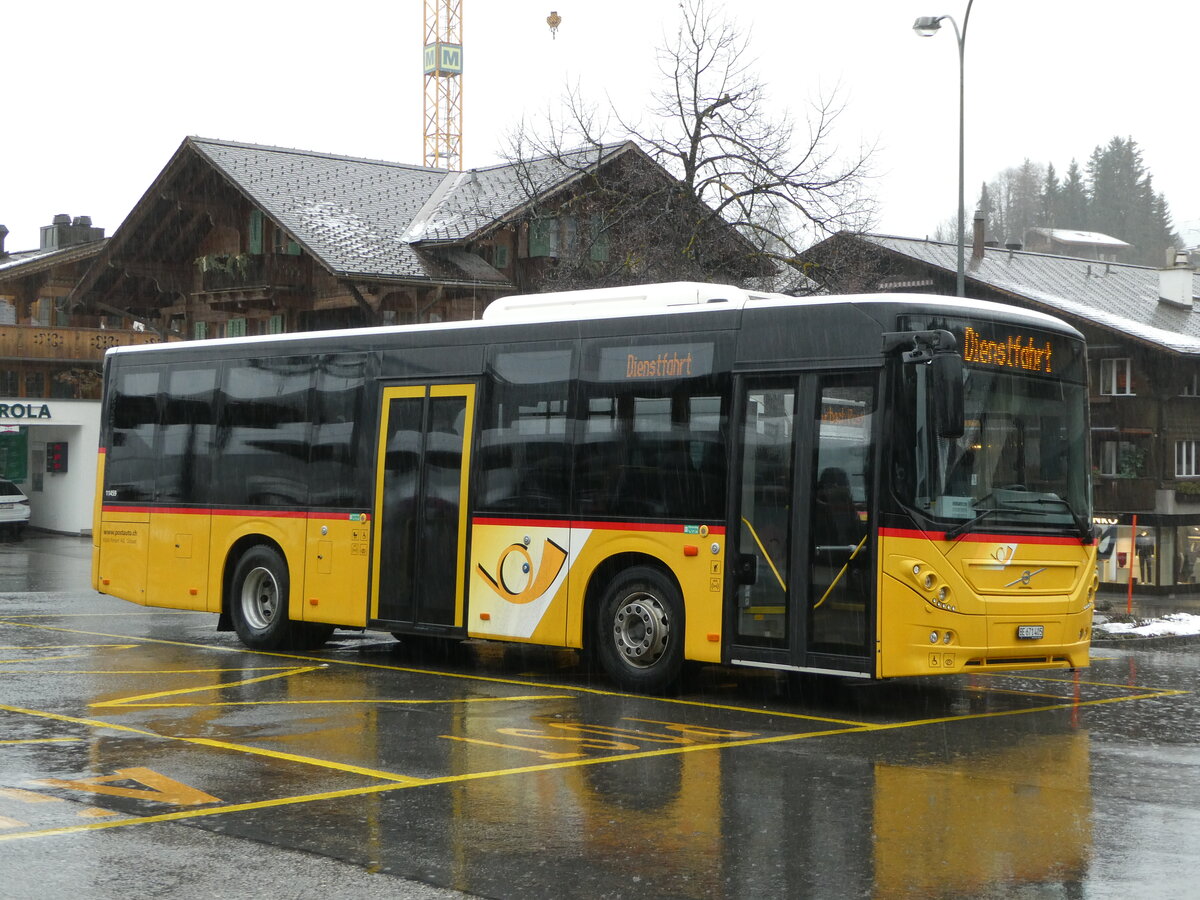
{"x":656,"y":362}
{"x":1013,"y":351}
{"x":1011,"y":346}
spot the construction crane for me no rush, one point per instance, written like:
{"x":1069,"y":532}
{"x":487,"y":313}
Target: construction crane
{"x":443,"y":84}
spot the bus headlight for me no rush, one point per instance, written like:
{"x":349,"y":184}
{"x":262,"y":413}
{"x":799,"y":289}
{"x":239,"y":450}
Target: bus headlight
{"x":934,"y":637}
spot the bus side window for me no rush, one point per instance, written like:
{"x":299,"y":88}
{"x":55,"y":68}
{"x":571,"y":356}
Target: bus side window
{"x":525,"y":443}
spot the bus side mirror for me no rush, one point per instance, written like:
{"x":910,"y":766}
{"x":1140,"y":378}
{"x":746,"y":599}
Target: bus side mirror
{"x":945,"y":371}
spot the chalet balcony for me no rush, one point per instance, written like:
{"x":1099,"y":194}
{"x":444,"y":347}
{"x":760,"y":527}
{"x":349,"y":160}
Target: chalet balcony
{"x":37,"y":342}
{"x":249,"y":274}
{"x":1113,"y":495}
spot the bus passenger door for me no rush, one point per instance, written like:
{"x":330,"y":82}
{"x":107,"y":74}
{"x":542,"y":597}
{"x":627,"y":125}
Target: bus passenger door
{"x":841,"y":572}
{"x":800,"y":574}
{"x":419,"y":559}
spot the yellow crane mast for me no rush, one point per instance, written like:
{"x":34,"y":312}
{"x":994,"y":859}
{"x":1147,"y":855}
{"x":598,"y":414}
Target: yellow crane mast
{"x":443,"y":84}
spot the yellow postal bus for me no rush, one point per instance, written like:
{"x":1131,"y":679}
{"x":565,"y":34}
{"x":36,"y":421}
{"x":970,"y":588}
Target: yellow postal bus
{"x":869,"y":486}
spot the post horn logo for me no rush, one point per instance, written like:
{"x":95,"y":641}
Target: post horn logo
{"x":1004,"y":554}
{"x":529,"y":587}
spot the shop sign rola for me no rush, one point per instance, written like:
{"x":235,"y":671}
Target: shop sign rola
{"x":25,"y":411}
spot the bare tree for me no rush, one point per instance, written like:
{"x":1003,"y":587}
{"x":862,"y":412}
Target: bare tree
{"x":736,"y":168}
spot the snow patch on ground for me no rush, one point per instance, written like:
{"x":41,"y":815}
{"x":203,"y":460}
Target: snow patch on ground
{"x":1170,"y":624}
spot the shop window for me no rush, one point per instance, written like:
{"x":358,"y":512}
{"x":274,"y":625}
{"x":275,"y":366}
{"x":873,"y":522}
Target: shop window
{"x":9,"y":383}
{"x":1116,"y":377}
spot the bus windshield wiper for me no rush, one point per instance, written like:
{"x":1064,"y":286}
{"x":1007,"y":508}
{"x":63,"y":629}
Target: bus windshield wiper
{"x":1085,"y":530}
{"x":963,"y":527}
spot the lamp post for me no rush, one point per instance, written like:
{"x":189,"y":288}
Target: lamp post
{"x":927,"y":26}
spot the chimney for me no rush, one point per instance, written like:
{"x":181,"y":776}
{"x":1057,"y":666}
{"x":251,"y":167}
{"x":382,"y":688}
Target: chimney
{"x":977,"y":237}
{"x":3,"y":235}
{"x":67,"y":232}
{"x":1175,"y":281}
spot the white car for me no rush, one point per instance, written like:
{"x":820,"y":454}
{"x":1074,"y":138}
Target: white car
{"x":14,"y":509}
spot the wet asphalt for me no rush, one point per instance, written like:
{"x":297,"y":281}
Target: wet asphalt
{"x":144,"y":754}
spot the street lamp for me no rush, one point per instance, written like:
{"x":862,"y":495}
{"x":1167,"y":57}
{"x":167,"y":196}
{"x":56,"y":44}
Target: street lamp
{"x":928,"y":26}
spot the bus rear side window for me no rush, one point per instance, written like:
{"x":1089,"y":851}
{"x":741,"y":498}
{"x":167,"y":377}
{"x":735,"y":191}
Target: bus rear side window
{"x":129,"y":462}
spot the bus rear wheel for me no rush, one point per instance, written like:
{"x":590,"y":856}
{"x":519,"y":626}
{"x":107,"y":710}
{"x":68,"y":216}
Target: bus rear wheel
{"x":639,"y":635}
{"x":260,"y":599}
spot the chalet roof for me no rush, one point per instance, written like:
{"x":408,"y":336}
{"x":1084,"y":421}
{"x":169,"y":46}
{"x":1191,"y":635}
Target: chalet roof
{"x":1114,"y":296}
{"x":372,"y":218}
{"x":29,"y":262}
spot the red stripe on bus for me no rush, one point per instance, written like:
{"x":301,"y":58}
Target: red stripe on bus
{"x":979,"y":537}
{"x":246,"y":513}
{"x":670,"y":528}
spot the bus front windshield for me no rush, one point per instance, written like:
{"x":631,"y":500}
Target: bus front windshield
{"x":1021,"y":463}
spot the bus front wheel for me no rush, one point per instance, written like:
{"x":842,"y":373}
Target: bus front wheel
{"x":639,"y":636}
{"x":260,"y":599}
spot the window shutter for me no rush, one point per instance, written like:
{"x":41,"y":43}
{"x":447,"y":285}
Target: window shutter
{"x":543,"y":237}
{"x":599,"y":249}
{"x":254,"y":240}
{"x":200,"y":331}
{"x":236,"y":328}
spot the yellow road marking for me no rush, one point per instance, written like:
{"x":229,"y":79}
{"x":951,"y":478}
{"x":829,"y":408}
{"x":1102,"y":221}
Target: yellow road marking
{"x":27,"y":796}
{"x":284,"y":673}
{"x":205,"y":742}
{"x":67,"y":646}
{"x":129,"y":704}
{"x":157,"y":788}
{"x":400,"y":782}
{"x":600,"y":692}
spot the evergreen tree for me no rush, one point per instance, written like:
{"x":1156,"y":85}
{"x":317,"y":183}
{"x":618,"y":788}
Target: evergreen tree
{"x":1051,"y":198}
{"x":1116,"y":198}
{"x":1073,"y":200}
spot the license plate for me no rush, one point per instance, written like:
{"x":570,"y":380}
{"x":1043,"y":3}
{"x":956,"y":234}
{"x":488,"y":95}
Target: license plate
{"x":1031,"y":632}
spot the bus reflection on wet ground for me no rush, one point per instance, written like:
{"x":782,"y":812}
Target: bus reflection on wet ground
{"x":507,"y":771}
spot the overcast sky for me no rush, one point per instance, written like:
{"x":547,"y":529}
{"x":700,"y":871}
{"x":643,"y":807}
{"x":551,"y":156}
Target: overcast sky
{"x":98,"y":95}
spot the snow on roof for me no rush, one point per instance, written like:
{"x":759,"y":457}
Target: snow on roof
{"x":1073,"y":236}
{"x":367,"y":217}
{"x":1114,"y":296}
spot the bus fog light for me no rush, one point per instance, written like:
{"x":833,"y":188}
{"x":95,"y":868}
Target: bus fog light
{"x":948,"y":638}
{"x":916,"y":570}
{"x":943,"y":593}
{"x":933,"y":637}
{"x":930,"y":581}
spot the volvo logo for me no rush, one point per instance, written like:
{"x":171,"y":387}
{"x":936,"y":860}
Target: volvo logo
{"x":1026,"y":577}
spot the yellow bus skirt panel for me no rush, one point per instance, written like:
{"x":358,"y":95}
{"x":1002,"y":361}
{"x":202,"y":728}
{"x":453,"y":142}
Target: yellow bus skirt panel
{"x":123,"y":551}
{"x":529,"y":578}
{"x":337,"y":560}
{"x":990,"y":602}
{"x":285,"y":528}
